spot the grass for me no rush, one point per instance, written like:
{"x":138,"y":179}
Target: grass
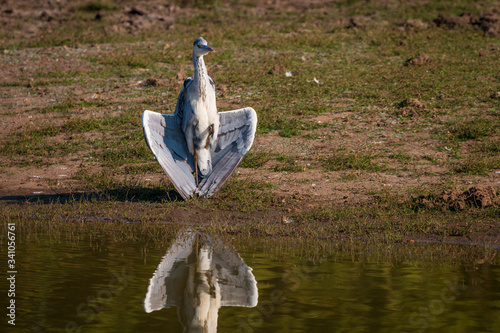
{"x":355,"y":78}
{"x":342,"y":161}
{"x":288,"y":164}
{"x":386,"y":221}
{"x":477,"y":165}
{"x":491,"y":148}
{"x":473,"y":129}
{"x":95,"y":6}
{"x":255,"y":160}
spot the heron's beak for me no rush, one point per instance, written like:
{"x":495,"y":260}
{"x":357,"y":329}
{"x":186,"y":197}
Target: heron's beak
{"x":208,"y":48}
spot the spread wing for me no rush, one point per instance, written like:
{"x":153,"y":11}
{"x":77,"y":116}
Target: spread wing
{"x":166,"y":287}
{"x":236,"y":134}
{"x":237,"y":283}
{"x":165,"y":138}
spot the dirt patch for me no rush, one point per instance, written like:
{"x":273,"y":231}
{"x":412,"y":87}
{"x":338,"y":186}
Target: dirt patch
{"x":362,"y":21}
{"x":136,"y":19}
{"x":453,"y":22}
{"x":456,"y":199}
{"x":153,"y":82}
{"x":488,"y":22}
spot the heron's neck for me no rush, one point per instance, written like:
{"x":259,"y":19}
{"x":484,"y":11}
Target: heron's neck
{"x":200,"y":75}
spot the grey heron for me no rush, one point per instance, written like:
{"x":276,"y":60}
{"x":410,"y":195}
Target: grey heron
{"x":199,"y":275}
{"x":198,"y":147}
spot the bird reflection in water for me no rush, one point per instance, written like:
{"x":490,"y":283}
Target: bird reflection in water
{"x":198,"y":275}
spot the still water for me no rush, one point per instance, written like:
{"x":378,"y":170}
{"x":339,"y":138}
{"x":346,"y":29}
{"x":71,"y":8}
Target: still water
{"x":195,"y":282}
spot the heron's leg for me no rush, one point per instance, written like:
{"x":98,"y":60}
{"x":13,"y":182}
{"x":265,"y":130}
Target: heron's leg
{"x":210,"y":136}
{"x":196,"y":167}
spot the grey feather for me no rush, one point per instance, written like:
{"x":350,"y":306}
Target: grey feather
{"x":236,"y":135}
{"x":197,"y":138}
{"x":166,"y":288}
{"x":172,"y":268}
{"x":166,"y":140}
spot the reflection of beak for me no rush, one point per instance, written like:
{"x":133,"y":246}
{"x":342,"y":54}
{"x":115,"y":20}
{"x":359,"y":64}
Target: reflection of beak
{"x":208,"y":48}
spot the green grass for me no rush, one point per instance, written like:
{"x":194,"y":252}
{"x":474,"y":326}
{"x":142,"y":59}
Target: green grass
{"x":69,"y":104}
{"x":255,"y":160}
{"x":95,"y":6}
{"x":288,"y":164}
{"x":473,"y":129}
{"x":401,"y":156}
{"x":491,"y":148}
{"x":342,"y":161}
{"x":478,"y":165}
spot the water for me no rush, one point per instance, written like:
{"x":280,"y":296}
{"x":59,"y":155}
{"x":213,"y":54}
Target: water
{"x":97,"y":284}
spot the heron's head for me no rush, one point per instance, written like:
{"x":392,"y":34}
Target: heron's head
{"x":200,"y":47}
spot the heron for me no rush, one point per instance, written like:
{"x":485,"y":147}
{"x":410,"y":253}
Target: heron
{"x":197,"y":146}
{"x":199,"y":275}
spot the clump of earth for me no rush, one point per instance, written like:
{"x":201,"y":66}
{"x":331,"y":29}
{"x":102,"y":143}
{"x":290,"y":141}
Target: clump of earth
{"x":419,"y":60}
{"x":488,"y":22}
{"x":456,"y":199}
{"x":412,"y":107}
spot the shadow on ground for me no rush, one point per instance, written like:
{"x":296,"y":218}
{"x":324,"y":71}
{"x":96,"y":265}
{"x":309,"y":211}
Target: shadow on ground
{"x":119,"y":194}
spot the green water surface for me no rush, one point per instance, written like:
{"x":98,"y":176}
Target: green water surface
{"x":95,"y":284}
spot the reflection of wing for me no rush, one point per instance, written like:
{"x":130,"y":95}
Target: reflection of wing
{"x":165,"y":138}
{"x":167,"y":287}
{"x":167,"y":284}
{"x":236,"y":134}
{"x":238,"y":286}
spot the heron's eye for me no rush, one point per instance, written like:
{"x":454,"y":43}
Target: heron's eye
{"x":199,"y":46}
